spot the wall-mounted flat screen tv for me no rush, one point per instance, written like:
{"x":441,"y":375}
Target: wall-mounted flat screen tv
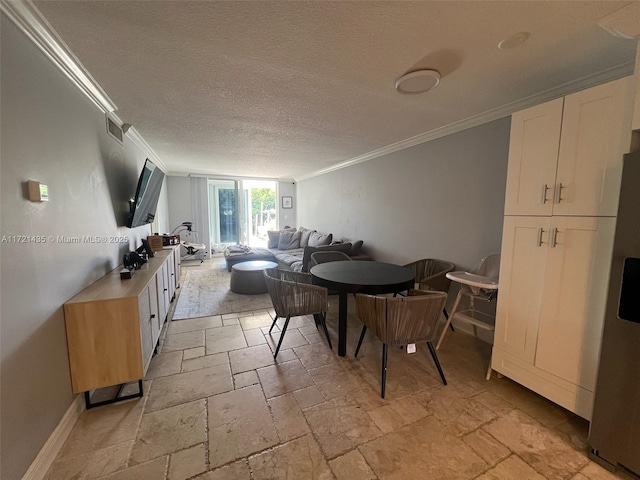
{"x":143,"y":207}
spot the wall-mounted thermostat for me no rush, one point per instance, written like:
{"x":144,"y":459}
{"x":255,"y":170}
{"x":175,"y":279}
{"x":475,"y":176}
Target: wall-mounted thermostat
{"x":38,"y":192}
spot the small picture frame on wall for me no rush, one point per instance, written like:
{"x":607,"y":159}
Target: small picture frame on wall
{"x":287,"y":202}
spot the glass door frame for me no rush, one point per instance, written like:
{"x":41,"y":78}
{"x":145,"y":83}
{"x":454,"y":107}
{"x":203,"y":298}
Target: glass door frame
{"x":242,"y":207}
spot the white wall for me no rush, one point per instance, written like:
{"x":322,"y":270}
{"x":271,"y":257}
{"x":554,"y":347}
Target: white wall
{"x":442,"y":199}
{"x":51,"y":133}
{"x":287,"y":216}
{"x":179,"y":191}
{"x":189,"y":203}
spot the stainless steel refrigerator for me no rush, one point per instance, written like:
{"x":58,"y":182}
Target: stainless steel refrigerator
{"x":614,"y":437}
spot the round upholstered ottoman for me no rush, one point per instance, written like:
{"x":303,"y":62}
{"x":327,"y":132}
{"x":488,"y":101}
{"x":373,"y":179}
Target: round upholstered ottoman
{"x":248,"y":277}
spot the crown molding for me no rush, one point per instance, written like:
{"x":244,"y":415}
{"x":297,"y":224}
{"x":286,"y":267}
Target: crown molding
{"x":142,"y":144}
{"x":610,"y":74}
{"x":29,"y":19}
{"x":623,"y":23}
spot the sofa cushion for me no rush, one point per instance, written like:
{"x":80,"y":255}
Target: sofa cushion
{"x":289,"y":257}
{"x":289,"y":240}
{"x":356,"y":248}
{"x":274,"y":236}
{"x":306,"y":233}
{"x":339,"y":247}
{"x":317,"y":239}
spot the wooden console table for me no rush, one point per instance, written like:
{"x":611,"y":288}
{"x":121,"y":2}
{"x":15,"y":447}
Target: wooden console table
{"x":113,"y":326}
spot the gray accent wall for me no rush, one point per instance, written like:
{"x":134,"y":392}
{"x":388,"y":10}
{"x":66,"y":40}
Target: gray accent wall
{"x":52,"y":133}
{"x":441,"y":199}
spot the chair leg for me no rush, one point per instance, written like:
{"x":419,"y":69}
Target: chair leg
{"x":446,"y":315}
{"x":273,"y":324}
{"x":436,"y":361}
{"x":453,"y":311}
{"x":284,"y":329}
{"x":385,"y":348}
{"x":364,"y":330}
{"x":324,"y":326}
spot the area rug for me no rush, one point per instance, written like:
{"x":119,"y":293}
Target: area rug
{"x":206,"y":292}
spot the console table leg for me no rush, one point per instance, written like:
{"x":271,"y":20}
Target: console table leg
{"x":117,"y":398}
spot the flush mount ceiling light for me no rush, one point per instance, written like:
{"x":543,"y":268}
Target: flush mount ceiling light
{"x":513,"y":41}
{"x":417,"y":82}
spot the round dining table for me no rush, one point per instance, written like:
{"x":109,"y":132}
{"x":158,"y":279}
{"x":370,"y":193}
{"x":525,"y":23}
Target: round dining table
{"x":359,"y":276}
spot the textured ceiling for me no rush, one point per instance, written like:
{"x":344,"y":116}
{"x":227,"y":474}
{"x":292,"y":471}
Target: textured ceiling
{"x":282,"y":89}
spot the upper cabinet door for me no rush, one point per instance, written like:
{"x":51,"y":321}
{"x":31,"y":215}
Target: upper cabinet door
{"x":596,"y":129}
{"x":533,"y":157}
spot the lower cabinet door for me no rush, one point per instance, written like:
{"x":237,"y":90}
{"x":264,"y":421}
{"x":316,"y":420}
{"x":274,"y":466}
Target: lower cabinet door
{"x":146,"y":335}
{"x":522,"y":269}
{"x":574,"y":295}
{"x":163,"y":293}
{"x":156,"y":321}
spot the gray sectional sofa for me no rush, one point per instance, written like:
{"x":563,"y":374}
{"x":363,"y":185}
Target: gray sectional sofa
{"x":292,"y":248}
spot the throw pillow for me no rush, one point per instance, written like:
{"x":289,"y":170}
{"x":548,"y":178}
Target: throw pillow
{"x":317,"y":239}
{"x":274,"y":239}
{"x":289,"y":240}
{"x":304,"y":239}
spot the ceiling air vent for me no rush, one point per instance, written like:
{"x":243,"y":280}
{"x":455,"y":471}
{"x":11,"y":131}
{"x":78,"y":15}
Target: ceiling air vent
{"x":114,"y":130}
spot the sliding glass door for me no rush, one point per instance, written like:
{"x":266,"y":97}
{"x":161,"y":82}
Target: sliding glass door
{"x":241,"y":211}
{"x":260,"y":210}
{"x":224,"y":214}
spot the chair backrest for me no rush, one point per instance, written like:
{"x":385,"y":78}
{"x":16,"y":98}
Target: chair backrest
{"x":328,"y":256}
{"x":402,"y":320}
{"x":490,"y":267}
{"x":292,"y":293}
{"x":430,"y":273}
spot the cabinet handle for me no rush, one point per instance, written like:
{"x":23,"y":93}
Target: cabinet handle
{"x":545,"y":189}
{"x":166,"y":289}
{"x":540,"y":233}
{"x":153,"y":315}
{"x":560,"y":187}
{"x":554,"y":237}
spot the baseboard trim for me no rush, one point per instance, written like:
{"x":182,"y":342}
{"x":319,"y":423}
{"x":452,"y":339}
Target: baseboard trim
{"x":43,"y":461}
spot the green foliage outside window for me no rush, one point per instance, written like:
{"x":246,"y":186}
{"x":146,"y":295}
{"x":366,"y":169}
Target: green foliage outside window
{"x":262,"y":198}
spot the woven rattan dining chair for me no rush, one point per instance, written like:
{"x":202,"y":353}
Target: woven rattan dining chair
{"x":292,"y":295}
{"x":431,"y":274}
{"x":401,"y":321}
{"x":324,"y":257}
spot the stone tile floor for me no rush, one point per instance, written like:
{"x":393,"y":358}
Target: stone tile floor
{"x":218,"y":406}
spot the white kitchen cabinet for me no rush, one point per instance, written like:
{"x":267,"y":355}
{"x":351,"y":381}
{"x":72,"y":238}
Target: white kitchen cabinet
{"x":533,"y":158}
{"x":522,"y":268}
{"x":563,"y":182}
{"x":553,"y":279}
{"x":573,"y":298}
{"x":565,"y":155}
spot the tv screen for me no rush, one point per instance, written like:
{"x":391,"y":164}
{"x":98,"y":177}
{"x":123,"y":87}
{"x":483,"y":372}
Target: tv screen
{"x":143,"y":206}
